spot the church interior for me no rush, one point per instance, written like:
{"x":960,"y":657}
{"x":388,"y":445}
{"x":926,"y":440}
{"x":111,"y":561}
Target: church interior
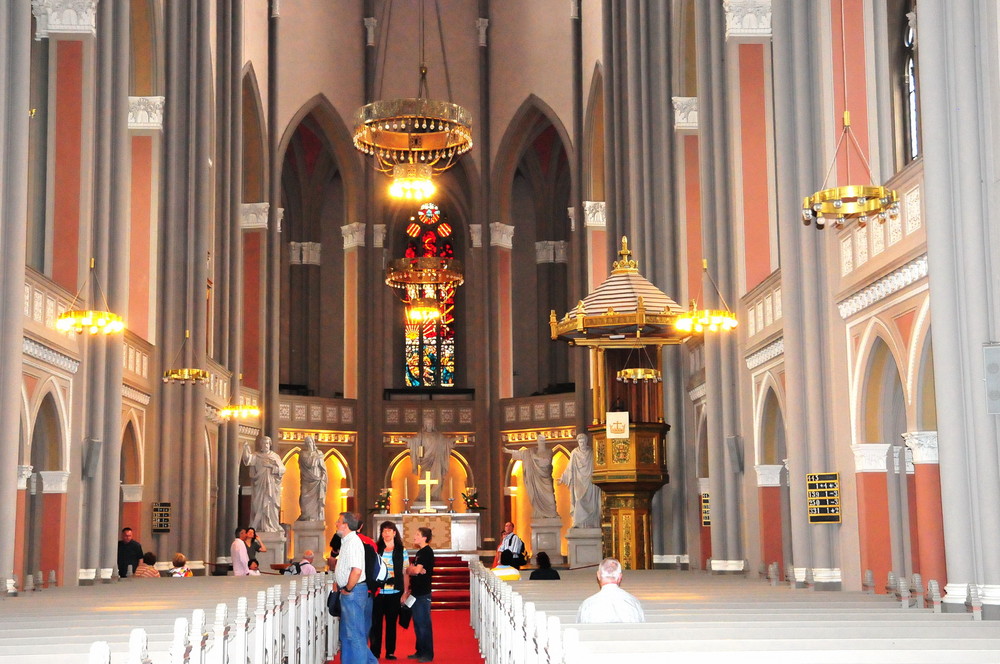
{"x":756,"y":234}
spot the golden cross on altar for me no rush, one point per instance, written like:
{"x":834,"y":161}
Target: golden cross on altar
{"x":427,"y":483}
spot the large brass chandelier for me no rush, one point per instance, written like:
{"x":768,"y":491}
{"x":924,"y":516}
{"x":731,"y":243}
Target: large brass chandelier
{"x":413,"y":139}
{"x":91,"y":321}
{"x":425,"y":283}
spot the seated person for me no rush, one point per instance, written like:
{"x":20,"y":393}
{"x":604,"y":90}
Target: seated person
{"x":506,"y":573}
{"x":146,"y":567}
{"x":180,"y":567}
{"x":610,"y":604}
{"x":306,"y":567}
{"x":254,"y":567}
{"x":544,"y":571}
{"x":511,"y":549}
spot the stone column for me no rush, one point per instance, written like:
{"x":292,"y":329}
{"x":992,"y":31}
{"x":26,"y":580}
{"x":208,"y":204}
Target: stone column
{"x":957,"y":38}
{"x":871,"y":464}
{"x":15,"y":50}
{"x":354,"y":241}
{"x":502,"y":241}
{"x":929,"y":518}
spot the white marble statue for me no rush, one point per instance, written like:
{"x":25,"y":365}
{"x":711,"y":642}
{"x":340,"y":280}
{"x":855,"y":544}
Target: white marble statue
{"x":431,"y":450}
{"x":536,"y":465}
{"x":266,"y":470}
{"x":313,"y":478}
{"x":578,"y":476}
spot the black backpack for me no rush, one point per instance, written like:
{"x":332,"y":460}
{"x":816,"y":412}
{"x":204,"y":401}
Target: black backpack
{"x":376,"y":572}
{"x":293,"y":568}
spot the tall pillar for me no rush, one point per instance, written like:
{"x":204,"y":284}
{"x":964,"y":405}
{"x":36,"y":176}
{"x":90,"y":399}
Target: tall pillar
{"x":871,"y":464}
{"x":15,"y":50}
{"x":927,"y":499}
{"x":502,"y":241}
{"x":354,"y":241}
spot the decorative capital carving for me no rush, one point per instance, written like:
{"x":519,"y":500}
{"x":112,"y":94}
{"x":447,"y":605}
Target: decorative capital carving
{"x":54,"y":481}
{"x":379,"y":235}
{"x":574,"y":10}
{"x":501,"y":235}
{"x":894,"y":282}
{"x":146,"y":113}
{"x":476,"y":234}
{"x":871,"y":457}
{"x":279,"y":215}
{"x":32,"y":348}
{"x":131,"y":493}
{"x":769,"y":475}
{"x":685,"y":115}
{"x":702,"y":485}
{"x":354,"y":235}
{"x":545,"y":252}
{"x":255,"y":216}
{"x":370,"y":24}
{"x":23,"y":473}
{"x":481,"y":25}
{"x":571,"y":215}
{"x":64,"y":17}
{"x":560,"y":250}
{"x":748,"y":20}
{"x":924,"y":445}
{"x":594,"y":214}
{"x":774,"y":349}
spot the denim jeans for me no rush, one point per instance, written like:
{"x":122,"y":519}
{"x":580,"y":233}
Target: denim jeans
{"x":422,"y":625}
{"x":355,"y":621}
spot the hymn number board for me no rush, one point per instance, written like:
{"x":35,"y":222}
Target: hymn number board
{"x":706,"y":510}
{"x":823,"y":497}
{"x":161,"y":517}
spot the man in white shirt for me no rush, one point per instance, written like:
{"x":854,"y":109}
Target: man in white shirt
{"x":511,"y":549}
{"x":306,"y":567}
{"x":355,"y":602}
{"x":610,"y":604}
{"x":238,"y":551}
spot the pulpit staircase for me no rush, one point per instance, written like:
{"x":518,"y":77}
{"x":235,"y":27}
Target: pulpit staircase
{"x":450,"y":583}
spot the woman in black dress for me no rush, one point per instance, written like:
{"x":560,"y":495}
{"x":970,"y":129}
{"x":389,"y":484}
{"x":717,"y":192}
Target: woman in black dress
{"x":544,"y":571}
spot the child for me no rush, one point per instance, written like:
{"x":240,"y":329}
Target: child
{"x":180,"y":566}
{"x":254,"y":567}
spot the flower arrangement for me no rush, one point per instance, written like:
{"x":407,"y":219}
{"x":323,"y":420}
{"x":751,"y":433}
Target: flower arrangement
{"x":382,"y":501}
{"x":472,"y":500}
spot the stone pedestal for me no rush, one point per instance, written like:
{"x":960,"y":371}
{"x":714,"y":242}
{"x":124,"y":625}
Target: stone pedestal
{"x":275,"y":554}
{"x":309,"y":535}
{"x":545,"y":536}
{"x":584,"y":547}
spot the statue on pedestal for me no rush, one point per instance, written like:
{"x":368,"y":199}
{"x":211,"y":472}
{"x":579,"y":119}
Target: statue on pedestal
{"x":578,"y":476}
{"x":266,"y":471}
{"x":537,"y":468}
{"x":313,"y":477}
{"x":431,"y":451}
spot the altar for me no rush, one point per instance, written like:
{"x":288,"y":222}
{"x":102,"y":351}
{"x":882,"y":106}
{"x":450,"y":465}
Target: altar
{"x":453,"y":532}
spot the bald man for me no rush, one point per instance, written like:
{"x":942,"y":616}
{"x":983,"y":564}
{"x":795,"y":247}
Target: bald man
{"x":610,"y":604}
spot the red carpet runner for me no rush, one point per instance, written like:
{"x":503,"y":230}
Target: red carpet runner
{"x":454,"y":642}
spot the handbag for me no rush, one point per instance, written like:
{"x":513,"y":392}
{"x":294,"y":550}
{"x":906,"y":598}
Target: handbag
{"x":405,"y":616}
{"x":333,"y":603}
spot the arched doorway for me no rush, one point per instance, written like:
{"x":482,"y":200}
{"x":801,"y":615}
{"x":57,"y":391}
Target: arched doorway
{"x":772,"y":478}
{"x":45,"y":509}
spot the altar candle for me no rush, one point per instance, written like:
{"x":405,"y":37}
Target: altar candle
{"x":406,"y":489}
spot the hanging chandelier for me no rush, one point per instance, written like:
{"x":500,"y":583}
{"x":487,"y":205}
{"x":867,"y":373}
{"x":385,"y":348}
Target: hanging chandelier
{"x":640,"y":375}
{"x":92,"y":321}
{"x":696,"y":320}
{"x":413,"y":139}
{"x":240,"y":412}
{"x":185,"y":375}
{"x":425,"y":283}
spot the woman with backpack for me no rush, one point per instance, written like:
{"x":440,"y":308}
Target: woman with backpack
{"x":390,"y":548}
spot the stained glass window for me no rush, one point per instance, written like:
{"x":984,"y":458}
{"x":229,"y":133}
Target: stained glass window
{"x":429,"y":346}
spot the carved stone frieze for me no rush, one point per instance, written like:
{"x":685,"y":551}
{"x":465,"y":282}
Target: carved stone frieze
{"x":501,"y":235}
{"x":924,"y":445}
{"x":748,"y":20}
{"x":146,"y":113}
{"x":892,"y":283}
{"x":685,"y":114}
{"x":64,"y":17}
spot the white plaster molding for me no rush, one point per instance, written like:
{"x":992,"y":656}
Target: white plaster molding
{"x":990,"y":594}
{"x":702,"y":485}
{"x":146,"y":113}
{"x":501,"y":235}
{"x":685,"y":114}
{"x":212,"y":414}
{"x":871,"y":457}
{"x":354,"y":235}
{"x":574,"y":10}
{"x":476,"y":235}
{"x":956,"y":593}
{"x":64,"y":17}
{"x":247,"y":430}
{"x":728,"y":565}
{"x":769,"y":475}
{"x":671,"y":558}
{"x":54,"y":481}
{"x":311,"y":253}
{"x":595,"y":214}
{"x":571,"y":215}
{"x":379,"y":235}
{"x":748,"y":19}
{"x":698,"y":392}
{"x":482,"y":24}
{"x":545,"y":252}
{"x":370,"y":24}
{"x":774,"y":349}
{"x":23,"y":473}
{"x":892,"y":283}
{"x":131,"y":493}
{"x":254,"y":216}
{"x":279,"y":217}
{"x":295,"y":253}
{"x":275,"y":8}
{"x":924,"y":445}
{"x":560,"y":251}
{"x":826,"y":575}
{"x":39,"y":351}
{"x":901,"y":454}
{"x":129,"y":392}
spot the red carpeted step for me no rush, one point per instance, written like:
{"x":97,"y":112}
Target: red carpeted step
{"x":450,"y":584}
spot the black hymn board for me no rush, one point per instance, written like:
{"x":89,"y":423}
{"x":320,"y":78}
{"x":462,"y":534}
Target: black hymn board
{"x":823,"y":497}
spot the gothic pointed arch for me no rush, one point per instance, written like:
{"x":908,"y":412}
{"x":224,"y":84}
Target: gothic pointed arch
{"x":146,"y":53}
{"x":255,"y":157}
{"x":593,"y":139}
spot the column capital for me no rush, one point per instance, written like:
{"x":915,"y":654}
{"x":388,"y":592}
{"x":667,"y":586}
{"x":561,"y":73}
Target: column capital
{"x":354,"y":235}
{"x":476,"y":234}
{"x":560,"y":251}
{"x":924,"y":445}
{"x":146,"y":113}
{"x":501,"y":235}
{"x":595,"y":214}
{"x":64,"y":17}
{"x":685,"y":115}
{"x":131,"y":493}
{"x":482,"y":24}
{"x":54,"y":481}
{"x":379,"y":235}
{"x":545,"y":252}
{"x":769,"y":475}
{"x":702,"y":485}
{"x":254,"y":216}
{"x":901,"y":453}
{"x":370,"y":24}
{"x":871,"y":457}
{"x":23,"y":473}
{"x":748,"y":20}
